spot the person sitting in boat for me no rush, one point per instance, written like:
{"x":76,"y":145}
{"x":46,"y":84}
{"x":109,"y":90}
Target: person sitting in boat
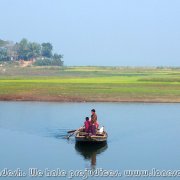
{"x":87,"y":124}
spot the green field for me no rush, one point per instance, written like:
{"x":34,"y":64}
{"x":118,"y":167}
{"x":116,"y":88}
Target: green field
{"x":116,"y":84}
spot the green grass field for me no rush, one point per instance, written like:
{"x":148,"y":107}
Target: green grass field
{"x":114,"y":84}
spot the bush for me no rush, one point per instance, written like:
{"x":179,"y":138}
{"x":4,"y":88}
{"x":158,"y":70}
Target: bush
{"x":48,"y":62}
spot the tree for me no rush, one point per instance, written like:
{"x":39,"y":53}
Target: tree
{"x":57,"y":56}
{"x":47,"y":50}
{"x":28,"y":50}
{"x":23,"y":49}
{"x":34,"y":50}
{"x":57,"y":60}
{"x":3,"y":54}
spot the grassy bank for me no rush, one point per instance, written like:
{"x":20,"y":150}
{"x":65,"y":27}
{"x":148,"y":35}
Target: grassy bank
{"x":116,"y":84}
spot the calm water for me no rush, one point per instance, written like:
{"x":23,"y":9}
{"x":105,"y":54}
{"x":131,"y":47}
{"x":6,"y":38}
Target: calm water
{"x":141,"y":136}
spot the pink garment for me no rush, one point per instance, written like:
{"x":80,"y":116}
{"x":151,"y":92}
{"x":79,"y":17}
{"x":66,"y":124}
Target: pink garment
{"x":96,"y":124}
{"x":87,"y":124}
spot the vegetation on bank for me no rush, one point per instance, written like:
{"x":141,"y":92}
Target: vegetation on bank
{"x":40,"y":54}
{"x":90,"y":84}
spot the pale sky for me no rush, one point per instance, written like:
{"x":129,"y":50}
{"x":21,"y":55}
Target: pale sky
{"x":98,"y":32}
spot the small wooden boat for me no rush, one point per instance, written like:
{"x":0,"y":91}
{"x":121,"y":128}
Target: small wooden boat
{"x":84,"y":137}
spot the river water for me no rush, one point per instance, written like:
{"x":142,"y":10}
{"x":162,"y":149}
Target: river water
{"x":141,"y":137}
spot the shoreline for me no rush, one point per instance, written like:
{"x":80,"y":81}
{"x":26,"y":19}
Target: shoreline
{"x":78,"y":100}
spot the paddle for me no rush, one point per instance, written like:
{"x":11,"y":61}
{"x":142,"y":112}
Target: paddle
{"x":70,"y":135}
{"x":71,"y":131}
{"x":75,"y":131}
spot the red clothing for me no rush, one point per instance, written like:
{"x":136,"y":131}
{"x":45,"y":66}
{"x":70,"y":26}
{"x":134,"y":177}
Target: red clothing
{"x":87,"y":125}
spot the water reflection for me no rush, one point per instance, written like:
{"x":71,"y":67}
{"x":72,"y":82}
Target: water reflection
{"x":91,"y":151}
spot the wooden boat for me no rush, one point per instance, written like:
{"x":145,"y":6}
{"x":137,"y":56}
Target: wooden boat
{"x":84,"y":137}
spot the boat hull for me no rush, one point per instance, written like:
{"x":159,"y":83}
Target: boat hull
{"x":91,"y":139}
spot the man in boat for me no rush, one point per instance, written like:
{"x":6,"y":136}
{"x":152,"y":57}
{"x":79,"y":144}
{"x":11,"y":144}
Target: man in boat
{"x":94,"y":118}
{"x":94,"y":122}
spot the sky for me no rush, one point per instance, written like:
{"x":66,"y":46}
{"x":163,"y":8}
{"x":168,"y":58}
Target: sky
{"x":98,"y":32}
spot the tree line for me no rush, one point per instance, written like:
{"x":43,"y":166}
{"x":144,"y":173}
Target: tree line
{"x":41,"y":54}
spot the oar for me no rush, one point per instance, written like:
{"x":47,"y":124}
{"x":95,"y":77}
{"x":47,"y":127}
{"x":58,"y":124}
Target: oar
{"x":70,"y":135}
{"x":73,"y":133}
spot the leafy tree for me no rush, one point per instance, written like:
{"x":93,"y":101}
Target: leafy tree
{"x":4,"y":54}
{"x":34,"y":50}
{"x":23,"y":49}
{"x":47,"y":50}
{"x":28,"y":50}
{"x":57,"y":56}
{"x":57,"y":60}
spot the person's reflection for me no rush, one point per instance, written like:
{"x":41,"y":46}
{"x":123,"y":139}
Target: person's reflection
{"x":90,"y":151}
{"x":93,"y":160}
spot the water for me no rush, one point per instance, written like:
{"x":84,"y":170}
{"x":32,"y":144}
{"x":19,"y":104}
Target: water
{"x":141,"y":136}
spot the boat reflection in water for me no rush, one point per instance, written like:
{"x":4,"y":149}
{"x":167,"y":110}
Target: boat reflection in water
{"x":90,"y":151}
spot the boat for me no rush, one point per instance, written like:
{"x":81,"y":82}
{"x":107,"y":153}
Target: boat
{"x":83,"y":137}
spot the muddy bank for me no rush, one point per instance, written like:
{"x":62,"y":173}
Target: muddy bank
{"x":85,"y":99}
